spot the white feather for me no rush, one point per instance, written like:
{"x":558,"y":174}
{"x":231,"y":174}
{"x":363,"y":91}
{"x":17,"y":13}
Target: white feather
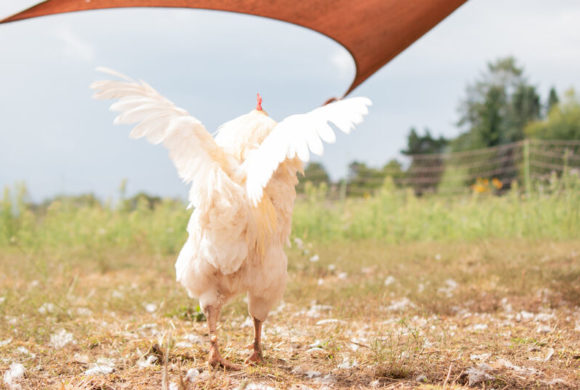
{"x":298,"y":135}
{"x":160,"y":121}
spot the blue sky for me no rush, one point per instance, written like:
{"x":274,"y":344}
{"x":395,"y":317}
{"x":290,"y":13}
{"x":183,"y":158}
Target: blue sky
{"x":57,"y":139}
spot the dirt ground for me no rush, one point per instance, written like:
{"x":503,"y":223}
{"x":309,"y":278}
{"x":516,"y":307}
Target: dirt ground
{"x":501,"y":315}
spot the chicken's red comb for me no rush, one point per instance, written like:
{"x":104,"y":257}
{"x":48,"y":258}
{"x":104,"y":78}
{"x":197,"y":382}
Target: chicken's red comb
{"x":259,"y":105}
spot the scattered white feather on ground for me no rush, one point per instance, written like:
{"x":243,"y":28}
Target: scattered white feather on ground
{"x":47,"y":308}
{"x":5,"y":342}
{"x":149,"y":362}
{"x":401,"y":304}
{"x":450,"y":286}
{"x":477,"y":327}
{"x":258,"y":386}
{"x":26,"y":352}
{"x":481,"y":357}
{"x":61,"y":338}
{"x":347,"y":364}
{"x":479,"y":374}
{"x":103,"y":366}
{"x":330,"y":321}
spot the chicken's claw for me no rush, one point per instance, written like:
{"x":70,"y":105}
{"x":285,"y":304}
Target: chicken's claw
{"x":215,"y":360}
{"x":255,"y":358}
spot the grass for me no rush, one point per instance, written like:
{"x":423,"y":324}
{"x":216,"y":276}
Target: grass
{"x":429,"y":293}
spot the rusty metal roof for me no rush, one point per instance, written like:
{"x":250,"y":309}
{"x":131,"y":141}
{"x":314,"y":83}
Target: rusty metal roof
{"x":373,"y":31}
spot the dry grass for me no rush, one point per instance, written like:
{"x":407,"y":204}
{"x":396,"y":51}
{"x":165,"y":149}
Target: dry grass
{"x":364,"y":315}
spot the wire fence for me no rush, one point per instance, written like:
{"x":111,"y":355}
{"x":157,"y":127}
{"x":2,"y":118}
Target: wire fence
{"x":496,"y":169}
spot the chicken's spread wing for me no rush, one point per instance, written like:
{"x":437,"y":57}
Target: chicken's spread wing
{"x":298,"y":135}
{"x":191,"y":148}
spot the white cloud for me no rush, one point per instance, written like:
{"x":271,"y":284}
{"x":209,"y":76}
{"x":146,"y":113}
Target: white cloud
{"x":343,"y":62}
{"x":75,"y":47}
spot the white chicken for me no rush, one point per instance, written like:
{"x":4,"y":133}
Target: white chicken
{"x":242,"y":192}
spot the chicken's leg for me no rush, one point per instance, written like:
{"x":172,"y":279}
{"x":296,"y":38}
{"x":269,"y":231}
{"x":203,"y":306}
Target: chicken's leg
{"x":215,"y":359}
{"x":256,"y":356}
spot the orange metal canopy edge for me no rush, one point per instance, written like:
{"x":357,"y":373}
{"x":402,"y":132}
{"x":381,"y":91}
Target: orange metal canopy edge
{"x":373,"y":31}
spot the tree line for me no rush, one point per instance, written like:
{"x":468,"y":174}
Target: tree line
{"x":501,"y":107}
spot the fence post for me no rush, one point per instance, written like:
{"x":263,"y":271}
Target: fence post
{"x":527,"y":181}
{"x":342,"y":190}
{"x":565,"y":168}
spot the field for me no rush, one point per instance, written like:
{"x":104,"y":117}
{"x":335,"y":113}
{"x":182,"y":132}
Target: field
{"x":388,"y":291}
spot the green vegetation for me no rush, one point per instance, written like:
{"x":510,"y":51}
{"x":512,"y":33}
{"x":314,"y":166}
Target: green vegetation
{"x":72,"y":228}
{"x":562,"y":121}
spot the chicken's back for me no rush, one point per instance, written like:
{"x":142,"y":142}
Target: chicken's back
{"x":232,"y":246}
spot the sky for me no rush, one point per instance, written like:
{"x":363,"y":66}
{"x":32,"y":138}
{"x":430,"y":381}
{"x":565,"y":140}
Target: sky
{"x":57,"y":139}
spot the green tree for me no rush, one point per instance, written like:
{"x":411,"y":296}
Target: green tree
{"x":497,"y":107}
{"x":562,"y":122}
{"x":525,"y":107}
{"x":424,"y":144}
{"x":552,"y":100}
{"x":314,"y":173}
{"x":424,"y":172}
{"x":363,"y":180}
{"x":394,"y":169}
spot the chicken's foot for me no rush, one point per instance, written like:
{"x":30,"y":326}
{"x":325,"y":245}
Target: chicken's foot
{"x":214,"y":358}
{"x":256,"y":356}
